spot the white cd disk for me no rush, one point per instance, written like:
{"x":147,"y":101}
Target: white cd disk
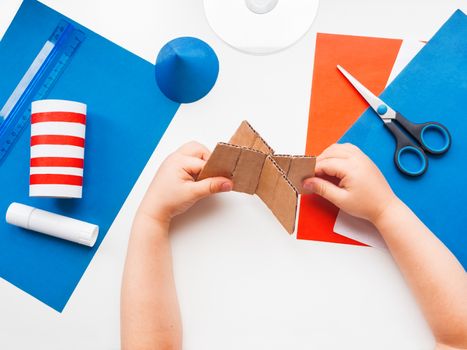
{"x":260,"y":26}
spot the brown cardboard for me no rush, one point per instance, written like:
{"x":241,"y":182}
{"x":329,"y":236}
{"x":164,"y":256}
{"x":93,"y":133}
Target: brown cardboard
{"x":246,"y":136}
{"x":297,"y":169}
{"x":278,"y":194}
{"x":242,"y":165}
{"x":254,"y":169}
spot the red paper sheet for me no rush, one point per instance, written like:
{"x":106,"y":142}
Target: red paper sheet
{"x":334,"y":107}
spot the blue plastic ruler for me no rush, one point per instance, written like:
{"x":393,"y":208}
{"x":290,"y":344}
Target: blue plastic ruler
{"x":36,"y":83}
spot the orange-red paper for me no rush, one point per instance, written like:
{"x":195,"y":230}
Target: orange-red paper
{"x":334,"y":107}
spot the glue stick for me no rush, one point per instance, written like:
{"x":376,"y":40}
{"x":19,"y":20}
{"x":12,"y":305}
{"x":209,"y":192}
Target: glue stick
{"x":52,"y":224}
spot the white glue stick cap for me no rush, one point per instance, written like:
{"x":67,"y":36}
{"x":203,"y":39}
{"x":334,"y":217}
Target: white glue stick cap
{"x":52,"y":224}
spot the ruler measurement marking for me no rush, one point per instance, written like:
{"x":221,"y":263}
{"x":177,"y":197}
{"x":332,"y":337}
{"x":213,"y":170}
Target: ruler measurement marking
{"x":38,"y":80}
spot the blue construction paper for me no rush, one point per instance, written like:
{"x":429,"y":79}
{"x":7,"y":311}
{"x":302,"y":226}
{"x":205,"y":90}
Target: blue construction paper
{"x":433,"y":87}
{"x":127,"y":116}
{"x":186,"y":69}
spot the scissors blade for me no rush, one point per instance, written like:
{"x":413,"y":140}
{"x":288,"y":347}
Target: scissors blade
{"x":385,"y":112}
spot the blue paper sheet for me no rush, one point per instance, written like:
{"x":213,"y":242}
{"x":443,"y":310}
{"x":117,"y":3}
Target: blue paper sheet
{"x":127,"y":116}
{"x":433,"y":87}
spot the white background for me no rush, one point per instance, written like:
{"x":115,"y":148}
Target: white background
{"x":243,"y":282}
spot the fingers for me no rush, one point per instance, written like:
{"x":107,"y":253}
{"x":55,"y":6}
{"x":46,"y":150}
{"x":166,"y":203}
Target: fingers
{"x":336,"y":160}
{"x":325,"y":189}
{"x":344,"y":151}
{"x":336,"y":167}
{"x":211,"y":185}
{"x":194,"y":149}
{"x":192,"y":165}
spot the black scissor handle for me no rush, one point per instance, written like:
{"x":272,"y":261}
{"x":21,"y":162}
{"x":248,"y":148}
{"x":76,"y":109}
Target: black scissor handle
{"x":405,"y":148}
{"x":421,"y":131}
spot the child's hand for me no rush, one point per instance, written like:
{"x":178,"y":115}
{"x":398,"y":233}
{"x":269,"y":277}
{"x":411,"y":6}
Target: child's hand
{"x":362,"y":190}
{"x":174,"y":189}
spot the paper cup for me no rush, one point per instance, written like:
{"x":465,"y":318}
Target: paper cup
{"x":57,"y":148}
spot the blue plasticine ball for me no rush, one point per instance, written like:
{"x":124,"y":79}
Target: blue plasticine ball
{"x":186,"y":69}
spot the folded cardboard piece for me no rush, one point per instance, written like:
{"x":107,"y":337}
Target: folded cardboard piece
{"x":255,"y":169}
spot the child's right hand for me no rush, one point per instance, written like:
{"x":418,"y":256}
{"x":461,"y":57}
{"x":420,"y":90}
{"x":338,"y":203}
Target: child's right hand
{"x":362,"y":190}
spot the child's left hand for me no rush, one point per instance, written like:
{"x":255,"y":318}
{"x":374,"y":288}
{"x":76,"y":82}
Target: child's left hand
{"x":174,"y":188}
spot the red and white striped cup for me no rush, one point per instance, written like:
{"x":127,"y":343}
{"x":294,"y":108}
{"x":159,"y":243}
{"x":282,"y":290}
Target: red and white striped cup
{"x":57,"y":148}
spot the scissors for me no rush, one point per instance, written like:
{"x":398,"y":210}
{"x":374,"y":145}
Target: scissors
{"x":422,"y":140}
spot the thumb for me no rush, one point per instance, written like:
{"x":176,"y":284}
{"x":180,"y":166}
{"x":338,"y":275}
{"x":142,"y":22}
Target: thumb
{"x":212,"y":185}
{"x":325,"y":189}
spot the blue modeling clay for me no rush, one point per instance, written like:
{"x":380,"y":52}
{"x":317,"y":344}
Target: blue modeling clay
{"x":186,"y":69}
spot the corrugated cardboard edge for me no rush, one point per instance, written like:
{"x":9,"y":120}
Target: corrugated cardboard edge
{"x":296,"y":168}
{"x":240,"y":164}
{"x":246,"y":136}
{"x":255,"y":172}
{"x":251,"y":164}
{"x":278,"y":193}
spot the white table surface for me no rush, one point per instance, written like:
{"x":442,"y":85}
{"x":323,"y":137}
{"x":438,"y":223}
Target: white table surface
{"x":243,"y":283}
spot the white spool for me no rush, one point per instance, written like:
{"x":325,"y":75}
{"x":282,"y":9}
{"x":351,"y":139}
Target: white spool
{"x":260,"y":26}
{"x":261,"y":6}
